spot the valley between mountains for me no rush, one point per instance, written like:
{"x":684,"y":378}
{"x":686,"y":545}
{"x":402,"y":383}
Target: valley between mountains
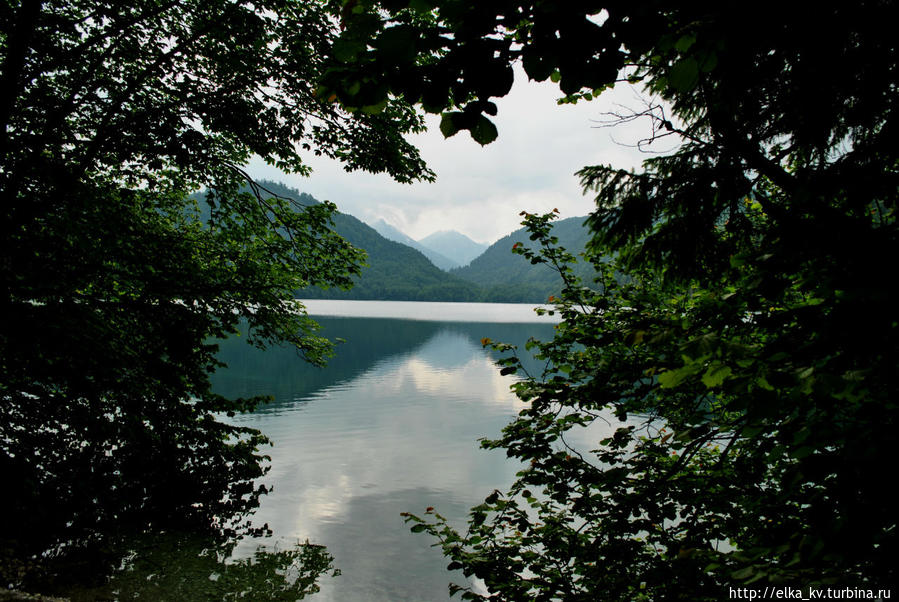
{"x":445,"y":266}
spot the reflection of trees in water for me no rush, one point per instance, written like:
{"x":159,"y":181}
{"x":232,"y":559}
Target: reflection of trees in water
{"x":196,"y":564}
{"x":281,"y":374}
{"x":180,"y":566}
{"x":93,"y":472}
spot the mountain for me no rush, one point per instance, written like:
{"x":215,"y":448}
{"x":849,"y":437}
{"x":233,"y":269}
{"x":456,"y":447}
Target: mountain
{"x":454,"y":245}
{"x":399,"y":272}
{"x":507,"y":277}
{"x":390,"y":233}
{"x":394,"y":271}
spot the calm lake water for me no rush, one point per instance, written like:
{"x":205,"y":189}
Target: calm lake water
{"x":391,"y":425}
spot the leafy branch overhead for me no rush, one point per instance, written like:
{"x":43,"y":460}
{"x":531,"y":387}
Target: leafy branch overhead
{"x":454,"y":58}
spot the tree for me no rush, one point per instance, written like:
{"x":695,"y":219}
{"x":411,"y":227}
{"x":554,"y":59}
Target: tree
{"x":115,"y":281}
{"x":745,"y":335}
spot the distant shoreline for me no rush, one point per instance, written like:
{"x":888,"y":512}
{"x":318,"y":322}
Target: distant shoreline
{"x":432,"y":311}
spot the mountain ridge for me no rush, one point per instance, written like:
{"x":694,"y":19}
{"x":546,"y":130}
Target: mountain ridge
{"x":396,"y":271}
{"x":454,"y":245}
{"x":391,"y":233}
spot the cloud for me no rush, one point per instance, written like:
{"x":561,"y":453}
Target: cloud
{"x":480,"y":190}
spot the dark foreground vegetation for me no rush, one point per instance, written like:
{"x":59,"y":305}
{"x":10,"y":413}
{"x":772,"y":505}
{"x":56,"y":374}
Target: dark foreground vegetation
{"x":754,"y":330}
{"x":112,"y":286}
{"x":744,"y":309}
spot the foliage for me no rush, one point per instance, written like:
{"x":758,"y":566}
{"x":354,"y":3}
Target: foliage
{"x":739,"y":457}
{"x":754,"y":321}
{"x":114,"y":280}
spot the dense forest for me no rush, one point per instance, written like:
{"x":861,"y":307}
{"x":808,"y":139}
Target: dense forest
{"x":393,"y":271}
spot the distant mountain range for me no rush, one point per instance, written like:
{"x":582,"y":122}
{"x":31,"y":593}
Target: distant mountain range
{"x":454,"y":245}
{"x":390,"y":233}
{"x":446,"y":249}
{"x":402,"y":271}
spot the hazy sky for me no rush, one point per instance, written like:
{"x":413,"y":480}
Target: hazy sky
{"x":481,"y":190}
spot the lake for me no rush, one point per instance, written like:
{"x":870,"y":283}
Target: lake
{"x":391,"y":425}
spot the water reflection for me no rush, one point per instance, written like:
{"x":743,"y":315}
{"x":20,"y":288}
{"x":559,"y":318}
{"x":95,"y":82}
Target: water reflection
{"x":369,"y":341}
{"x":390,"y":426}
{"x":190,"y":566}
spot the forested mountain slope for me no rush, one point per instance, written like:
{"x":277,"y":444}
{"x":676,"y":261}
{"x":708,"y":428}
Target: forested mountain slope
{"x":508,"y":277}
{"x":394,"y":271}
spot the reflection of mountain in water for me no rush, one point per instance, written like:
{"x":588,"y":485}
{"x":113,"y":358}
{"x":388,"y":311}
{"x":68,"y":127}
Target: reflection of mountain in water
{"x":282,"y":374}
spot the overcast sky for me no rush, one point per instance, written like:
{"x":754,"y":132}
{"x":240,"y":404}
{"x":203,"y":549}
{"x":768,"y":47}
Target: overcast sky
{"x":481,"y":190}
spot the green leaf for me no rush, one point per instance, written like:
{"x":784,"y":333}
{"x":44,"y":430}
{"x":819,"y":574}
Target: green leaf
{"x":744,"y":573}
{"x":346,"y":50}
{"x":537,"y":66}
{"x":685,"y":42}
{"x":448,"y":124}
{"x":375,"y":108}
{"x":397,"y":44}
{"x":684,"y":75}
{"x":715,"y":375}
{"x":709,"y":62}
{"x":484,"y":131}
{"x":763,"y":383}
{"x":672,"y":378}
{"x":421,"y":6}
